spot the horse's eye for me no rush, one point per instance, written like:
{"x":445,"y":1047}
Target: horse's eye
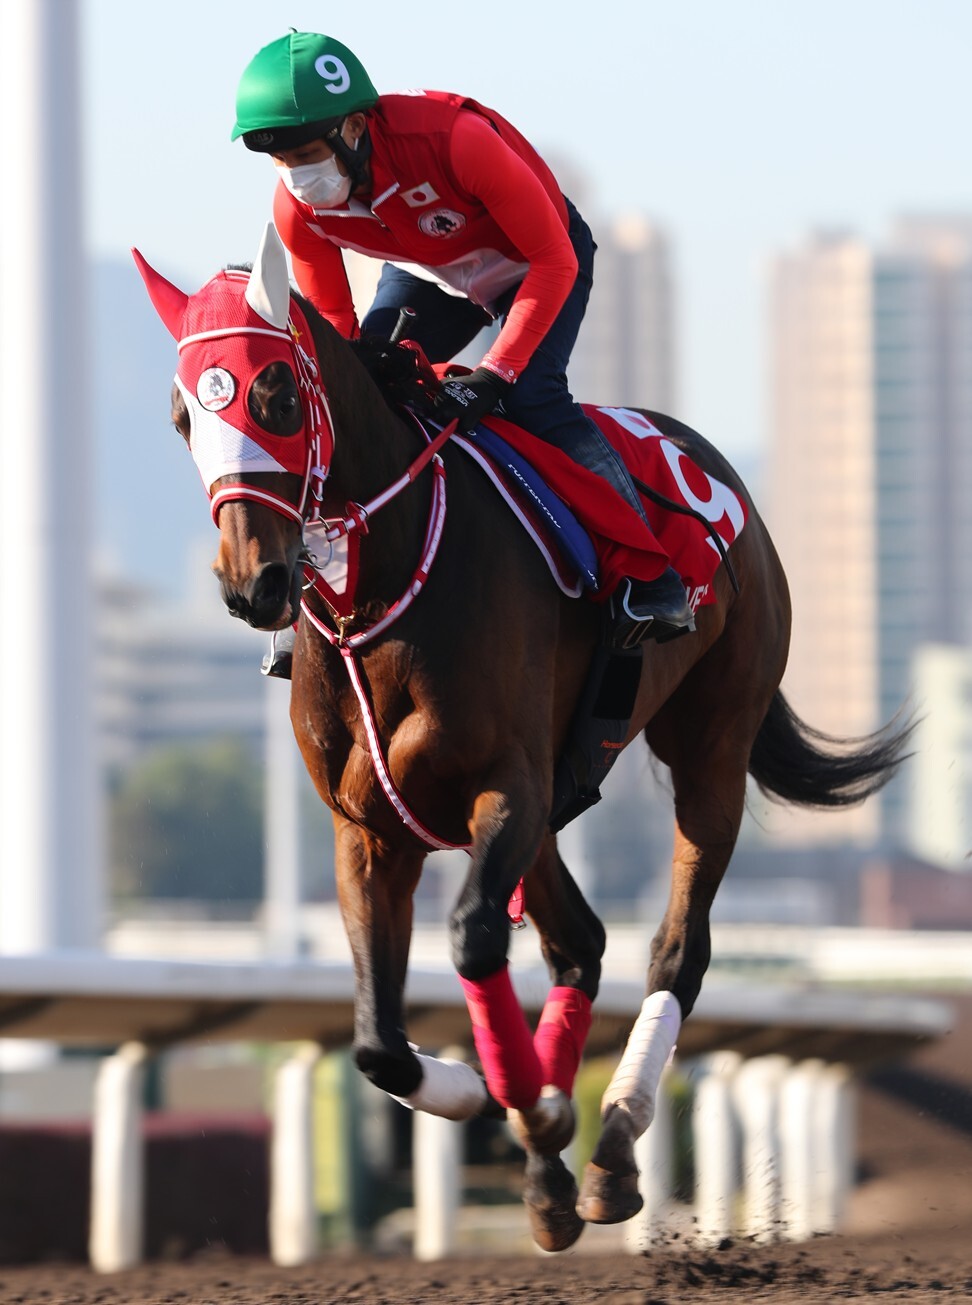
{"x":274,"y":401}
{"x":286,"y":413}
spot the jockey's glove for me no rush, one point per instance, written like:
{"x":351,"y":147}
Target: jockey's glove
{"x":470,"y":398}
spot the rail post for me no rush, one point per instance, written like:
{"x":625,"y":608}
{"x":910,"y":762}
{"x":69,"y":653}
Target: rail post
{"x":716,"y":1146}
{"x":756,"y":1092}
{"x":293,"y":1212}
{"x":115,"y":1239}
{"x":437,"y":1153}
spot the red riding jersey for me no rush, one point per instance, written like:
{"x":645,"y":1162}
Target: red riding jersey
{"x":458,"y":196}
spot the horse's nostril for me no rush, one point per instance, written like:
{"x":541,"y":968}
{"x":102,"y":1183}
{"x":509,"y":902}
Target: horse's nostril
{"x":271,"y":590}
{"x":233,"y":600}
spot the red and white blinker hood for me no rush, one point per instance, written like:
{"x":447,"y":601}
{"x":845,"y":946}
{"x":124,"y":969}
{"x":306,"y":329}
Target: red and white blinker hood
{"x":227,"y":333}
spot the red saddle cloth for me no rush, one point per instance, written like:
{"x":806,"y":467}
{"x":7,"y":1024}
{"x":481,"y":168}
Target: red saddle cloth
{"x":623,"y":546}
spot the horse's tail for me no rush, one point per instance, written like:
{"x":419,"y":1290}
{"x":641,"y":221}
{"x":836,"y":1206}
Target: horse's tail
{"x":795,"y":763}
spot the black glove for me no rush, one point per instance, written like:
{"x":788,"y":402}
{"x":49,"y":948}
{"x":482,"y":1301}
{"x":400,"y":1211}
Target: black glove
{"x":469,"y":398}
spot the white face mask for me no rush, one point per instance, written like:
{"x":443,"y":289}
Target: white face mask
{"x":321,"y":185}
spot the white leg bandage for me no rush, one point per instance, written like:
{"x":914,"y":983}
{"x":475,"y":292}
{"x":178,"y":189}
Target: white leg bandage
{"x":448,"y":1088}
{"x":651,"y":1045}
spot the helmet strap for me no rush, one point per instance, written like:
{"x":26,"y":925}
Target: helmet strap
{"x":355,"y":160}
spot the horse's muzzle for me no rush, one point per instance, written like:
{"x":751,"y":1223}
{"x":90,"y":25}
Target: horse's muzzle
{"x":269,"y":601}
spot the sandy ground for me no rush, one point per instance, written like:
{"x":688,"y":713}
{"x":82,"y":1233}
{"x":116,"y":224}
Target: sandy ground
{"x":908,"y":1236}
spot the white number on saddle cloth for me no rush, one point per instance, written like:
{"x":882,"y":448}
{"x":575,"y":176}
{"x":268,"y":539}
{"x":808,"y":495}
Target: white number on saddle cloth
{"x":635,"y":423}
{"x":722,"y":501}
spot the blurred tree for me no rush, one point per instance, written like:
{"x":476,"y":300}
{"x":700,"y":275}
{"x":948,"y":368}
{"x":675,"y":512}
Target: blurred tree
{"x":187,"y":822}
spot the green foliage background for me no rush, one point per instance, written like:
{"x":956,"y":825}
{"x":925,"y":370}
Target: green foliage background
{"x":187,"y":822}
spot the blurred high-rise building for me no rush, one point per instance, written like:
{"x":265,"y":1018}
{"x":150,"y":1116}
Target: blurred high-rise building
{"x":870,"y":473}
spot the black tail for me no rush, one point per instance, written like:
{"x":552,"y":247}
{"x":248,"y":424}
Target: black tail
{"x":794,"y":763}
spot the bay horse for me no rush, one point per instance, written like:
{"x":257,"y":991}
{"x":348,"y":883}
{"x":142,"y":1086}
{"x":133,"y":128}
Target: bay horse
{"x":431,"y":703}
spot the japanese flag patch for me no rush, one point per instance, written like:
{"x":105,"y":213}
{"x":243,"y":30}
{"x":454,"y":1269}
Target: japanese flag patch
{"x":419,"y":196}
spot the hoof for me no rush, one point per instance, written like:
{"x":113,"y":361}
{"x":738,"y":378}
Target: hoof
{"x":607,"y":1197}
{"x":550,"y":1197}
{"x":547,"y":1127}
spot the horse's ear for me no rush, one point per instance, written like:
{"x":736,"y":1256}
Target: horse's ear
{"x":170,"y":302}
{"x":268,"y":290}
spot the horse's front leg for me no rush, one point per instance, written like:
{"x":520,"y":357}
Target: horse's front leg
{"x":375,"y":889}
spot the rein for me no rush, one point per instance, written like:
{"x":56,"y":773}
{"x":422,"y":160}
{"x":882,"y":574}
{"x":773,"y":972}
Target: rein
{"x":353,"y":525}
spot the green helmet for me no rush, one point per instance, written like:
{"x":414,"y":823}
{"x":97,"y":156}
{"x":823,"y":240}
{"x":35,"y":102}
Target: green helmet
{"x":297,"y":87}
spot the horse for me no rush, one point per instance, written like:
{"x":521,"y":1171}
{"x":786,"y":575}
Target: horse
{"x":431,"y":701}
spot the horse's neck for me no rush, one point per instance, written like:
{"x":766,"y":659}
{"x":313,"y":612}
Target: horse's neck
{"x":373,"y":446}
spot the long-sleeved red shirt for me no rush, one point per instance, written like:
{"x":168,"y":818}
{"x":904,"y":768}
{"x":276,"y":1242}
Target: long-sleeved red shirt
{"x":458,"y":196}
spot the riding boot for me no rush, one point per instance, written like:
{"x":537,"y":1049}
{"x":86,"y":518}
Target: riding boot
{"x":651,"y":609}
{"x":279,"y":661}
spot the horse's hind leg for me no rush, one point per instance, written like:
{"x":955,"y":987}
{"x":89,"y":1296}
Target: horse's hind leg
{"x":572,"y":941}
{"x":508,"y":826}
{"x":709,"y":778}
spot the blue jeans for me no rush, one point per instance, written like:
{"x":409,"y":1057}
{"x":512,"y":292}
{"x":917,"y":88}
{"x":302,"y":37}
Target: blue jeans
{"x":540,"y":401}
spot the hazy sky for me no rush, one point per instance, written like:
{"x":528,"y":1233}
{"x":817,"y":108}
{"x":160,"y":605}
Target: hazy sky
{"x":738,"y":125}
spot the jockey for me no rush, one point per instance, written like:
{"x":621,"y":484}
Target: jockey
{"x":471,"y":226}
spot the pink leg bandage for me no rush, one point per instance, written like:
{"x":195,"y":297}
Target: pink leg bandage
{"x":561,"y":1034}
{"x":503,"y":1041}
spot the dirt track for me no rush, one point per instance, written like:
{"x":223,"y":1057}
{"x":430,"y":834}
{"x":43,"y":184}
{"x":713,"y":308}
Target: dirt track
{"x":893,"y":1268}
{"x":909,"y":1237}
